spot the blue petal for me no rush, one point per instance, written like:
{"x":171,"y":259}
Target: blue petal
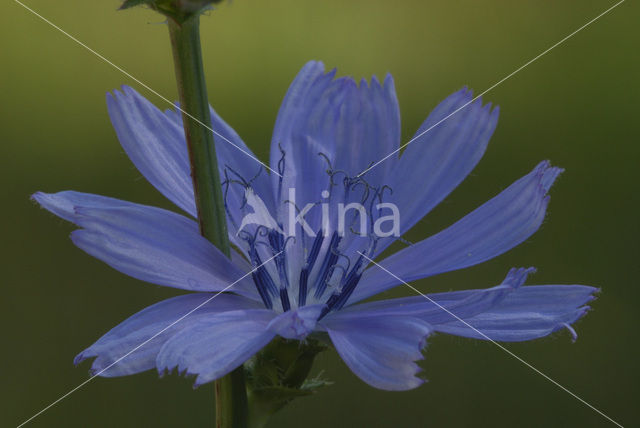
{"x":509,"y":312}
{"x":351,"y":125}
{"x":528,"y":313}
{"x":380,"y":350}
{"x":147,"y":243}
{"x":368,"y":129}
{"x":154,"y":144}
{"x":212,"y":347}
{"x":295,"y":117}
{"x":144,"y":333}
{"x":64,"y":204}
{"x":302,"y":132}
{"x":442,"y":157}
{"x":495,"y":227}
{"x":444,"y":307}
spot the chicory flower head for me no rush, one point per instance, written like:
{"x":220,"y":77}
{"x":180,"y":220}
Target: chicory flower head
{"x":327,"y":132}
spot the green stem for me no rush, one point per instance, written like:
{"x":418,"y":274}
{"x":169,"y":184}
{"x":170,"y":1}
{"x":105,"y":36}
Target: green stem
{"x":231,"y":395}
{"x":187,"y":57}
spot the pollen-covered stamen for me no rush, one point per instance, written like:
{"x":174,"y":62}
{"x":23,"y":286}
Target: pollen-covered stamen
{"x":284,"y":299}
{"x":338,"y":194}
{"x":258,"y":280}
{"x":261,"y":277}
{"x":330,"y":259}
{"x":262,"y":280}
{"x":342,"y":192}
{"x":340,"y":297}
{"x":304,"y":273}
{"x":302,"y":286}
{"x":278,"y":243}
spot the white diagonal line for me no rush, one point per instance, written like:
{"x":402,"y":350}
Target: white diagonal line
{"x":145,"y":342}
{"x":499,"y":82}
{"x":147,"y":87}
{"x":494,"y":342}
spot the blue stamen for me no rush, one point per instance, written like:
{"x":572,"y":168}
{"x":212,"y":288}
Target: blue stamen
{"x":302,"y":287}
{"x":262,"y":290}
{"x":337,"y":300}
{"x":330,"y":260}
{"x":277,"y":242}
{"x":264,"y":279}
{"x":308,"y":266}
{"x":348,"y":289}
{"x":327,"y":308}
{"x":284,"y":298}
{"x":315,"y":250}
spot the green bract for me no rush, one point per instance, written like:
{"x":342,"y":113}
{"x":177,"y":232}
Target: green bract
{"x":178,"y":10}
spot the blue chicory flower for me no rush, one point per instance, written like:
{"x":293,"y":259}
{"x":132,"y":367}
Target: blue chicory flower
{"x":328,"y":130}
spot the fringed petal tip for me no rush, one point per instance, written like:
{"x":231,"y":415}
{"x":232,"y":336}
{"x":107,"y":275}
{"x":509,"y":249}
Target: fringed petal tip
{"x":124,"y":90}
{"x":81,"y":357}
{"x":381,"y":350}
{"x":574,"y":335}
{"x":388,"y":82}
{"x":99,"y":367}
{"x":464,"y":96}
{"x":183,"y":372}
{"x":121,"y":94}
{"x":35,"y":197}
{"x":546,"y":174}
{"x":96,"y":370}
{"x":527,"y":313}
{"x":422,"y":343}
{"x":464,"y":92}
{"x":316,"y":69}
{"x":55,"y":204}
{"x":197,"y":385}
{"x":517,"y":276}
{"x":580,"y":312}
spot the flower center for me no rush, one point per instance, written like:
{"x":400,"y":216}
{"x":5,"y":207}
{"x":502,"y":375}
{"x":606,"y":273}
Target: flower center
{"x":324,"y":268}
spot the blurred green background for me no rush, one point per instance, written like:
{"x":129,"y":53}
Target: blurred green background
{"x":577,"y":106}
